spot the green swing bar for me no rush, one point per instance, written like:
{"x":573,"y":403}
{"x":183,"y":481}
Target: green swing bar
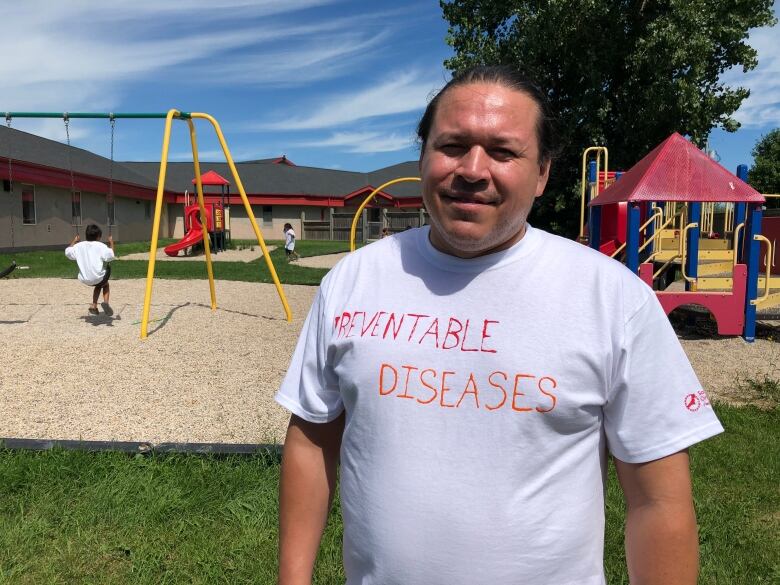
{"x":136,"y":115}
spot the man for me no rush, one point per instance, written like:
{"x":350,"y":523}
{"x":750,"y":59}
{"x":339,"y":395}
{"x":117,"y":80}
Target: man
{"x":472,"y":398}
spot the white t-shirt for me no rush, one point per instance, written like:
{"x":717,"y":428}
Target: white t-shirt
{"x":289,"y":239}
{"x":91,"y":258}
{"x":481,"y":398}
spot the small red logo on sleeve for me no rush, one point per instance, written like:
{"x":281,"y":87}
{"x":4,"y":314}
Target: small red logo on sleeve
{"x":695,"y":401}
{"x":692,"y":402}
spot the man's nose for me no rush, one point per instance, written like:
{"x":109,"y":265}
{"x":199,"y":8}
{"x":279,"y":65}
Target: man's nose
{"x":473,"y":165}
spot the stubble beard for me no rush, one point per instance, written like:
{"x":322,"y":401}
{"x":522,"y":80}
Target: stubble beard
{"x":504,"y":231}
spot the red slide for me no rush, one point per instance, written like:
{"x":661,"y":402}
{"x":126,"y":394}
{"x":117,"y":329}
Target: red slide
{"x":191,"y":238}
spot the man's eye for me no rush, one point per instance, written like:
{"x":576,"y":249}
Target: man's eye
{"x":451,"y":148}
{"x":502,"y":153}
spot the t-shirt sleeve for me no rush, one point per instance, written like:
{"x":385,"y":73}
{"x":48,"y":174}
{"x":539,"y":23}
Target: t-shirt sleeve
{"x":656,"y":405}
{"x":107,"y":255}
{"x":70,"y":253}
{"x":310,"y":388}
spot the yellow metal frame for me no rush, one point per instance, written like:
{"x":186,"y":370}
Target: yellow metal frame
{"x":667,"y":263}
{"x":657,"y":214}
{"x":728,"y":220}
{"x":598,"y":150}
{"x":768,"y":276}
{"x":684,"y":251}
{"x":199,"y":185}
{"x":657,"y":234}
{"x":353,"y":229}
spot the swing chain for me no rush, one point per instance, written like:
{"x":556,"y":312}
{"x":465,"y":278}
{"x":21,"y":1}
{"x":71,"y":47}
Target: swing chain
{"x":10,"y":175}
{"x":66,"y":118}
{"x":110,"y":211}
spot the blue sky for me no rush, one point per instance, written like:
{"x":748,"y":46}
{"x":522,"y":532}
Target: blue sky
{"x":329,"y":83}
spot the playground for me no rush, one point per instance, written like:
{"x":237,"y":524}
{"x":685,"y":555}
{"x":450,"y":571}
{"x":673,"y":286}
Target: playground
{"x":202,"y":375}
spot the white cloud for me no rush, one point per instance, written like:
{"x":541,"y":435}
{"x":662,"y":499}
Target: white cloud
{"x":83,"y":55}
{"x":312,"y":60}
{"x":361,"y":142}
{"x":762,"y":108}
{"x":406,"y":92}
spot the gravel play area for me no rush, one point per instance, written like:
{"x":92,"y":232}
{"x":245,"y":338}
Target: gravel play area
{"x":202,"y":375}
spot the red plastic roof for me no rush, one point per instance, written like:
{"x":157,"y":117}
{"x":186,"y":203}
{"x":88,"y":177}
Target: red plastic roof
{"x":676,"y":170}
{"x":212,"y":178}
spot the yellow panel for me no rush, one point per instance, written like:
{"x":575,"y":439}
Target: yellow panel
{"x":714,"y":268}
{"x":772,"y":300}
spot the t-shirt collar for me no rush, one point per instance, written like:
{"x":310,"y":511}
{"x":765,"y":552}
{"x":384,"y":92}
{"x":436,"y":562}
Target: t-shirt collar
{"x":525,"y":246}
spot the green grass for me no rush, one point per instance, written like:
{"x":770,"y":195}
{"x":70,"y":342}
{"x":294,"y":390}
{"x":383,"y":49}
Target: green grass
{"x":76,"y":517}
{"x":54,"y":264}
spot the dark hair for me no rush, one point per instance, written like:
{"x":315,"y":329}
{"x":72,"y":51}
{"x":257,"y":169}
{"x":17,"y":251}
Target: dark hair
{"x":511,"y":79}
{"x":287,"y":226}
{"x":92,"y":232}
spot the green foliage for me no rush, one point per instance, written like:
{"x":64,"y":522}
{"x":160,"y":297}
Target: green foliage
{"x":79,"y":517}
{"x":623,"y":74}
{"x":764,"y":175}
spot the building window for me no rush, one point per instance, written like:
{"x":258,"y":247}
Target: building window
{"x":268,"y":214}
{"x":28,"y":204}
{"x":147,"y":209}
{"x":111,"y":212}
{"x":75,"y":207}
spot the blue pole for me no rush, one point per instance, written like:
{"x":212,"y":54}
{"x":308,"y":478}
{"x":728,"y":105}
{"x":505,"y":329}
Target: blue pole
{"x":752,"y":250}
{"x":740,"y":215}
{"x":692,"y":261}
{"x":594,"y":232}
{"x":632,"y":237}
{"x":592,"y":178}
{"x":594,"y":227}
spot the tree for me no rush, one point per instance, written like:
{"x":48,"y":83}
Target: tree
{"x":764,"y":175}
{"x":623,"y":74}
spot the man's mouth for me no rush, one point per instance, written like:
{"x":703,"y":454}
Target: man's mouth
{"x":467,"y":199}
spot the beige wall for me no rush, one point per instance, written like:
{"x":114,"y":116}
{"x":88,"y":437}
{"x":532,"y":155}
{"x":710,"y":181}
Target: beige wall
{"x":53,"y":226}
{"x":241,"y":228}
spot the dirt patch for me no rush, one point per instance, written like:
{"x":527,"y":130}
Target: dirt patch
{"x":326,"y":261}
{"x":245,"y":255}
{"x":202,"y":375}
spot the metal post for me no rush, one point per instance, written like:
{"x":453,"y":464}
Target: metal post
{"x":752,"y":256}
{"x":692,"y":245}
{"x":303,"y":223}
{"x":632,"y":237}
{"x":740,"y":215}
{"x":364,"y":225}
{"x":331,"y":219}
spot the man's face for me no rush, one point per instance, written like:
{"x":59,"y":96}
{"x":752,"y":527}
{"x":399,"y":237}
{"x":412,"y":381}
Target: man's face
{"x":480,"y":169}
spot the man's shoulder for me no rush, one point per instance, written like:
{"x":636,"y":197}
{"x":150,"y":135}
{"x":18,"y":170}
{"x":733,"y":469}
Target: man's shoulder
{"x":574,"y":252}
{"x":573,"y":259}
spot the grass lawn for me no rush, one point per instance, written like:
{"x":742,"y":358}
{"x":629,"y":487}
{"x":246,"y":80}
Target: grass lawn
{"x":76,"y":517}
{"x":54,"y":264}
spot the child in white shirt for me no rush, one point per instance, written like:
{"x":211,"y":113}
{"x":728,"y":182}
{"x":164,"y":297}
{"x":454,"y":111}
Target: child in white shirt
{"x":93,"y":258}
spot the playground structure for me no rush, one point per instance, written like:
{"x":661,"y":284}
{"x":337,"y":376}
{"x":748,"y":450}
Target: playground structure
{"x":660,"y":217}
{"x":169,"y":116}
{"x":215,"y":225}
